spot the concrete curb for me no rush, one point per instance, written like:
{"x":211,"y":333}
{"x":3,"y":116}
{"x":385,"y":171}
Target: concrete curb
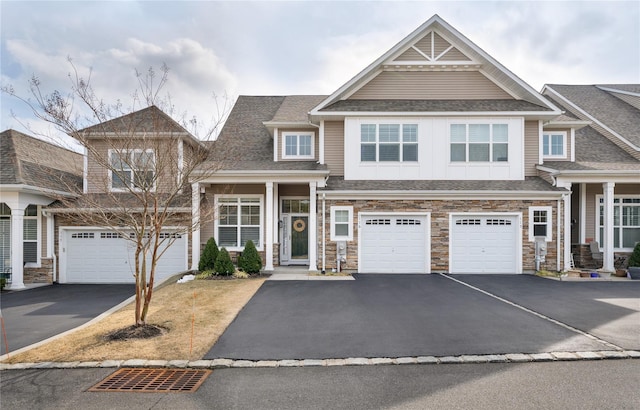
{"x":351,"y":361}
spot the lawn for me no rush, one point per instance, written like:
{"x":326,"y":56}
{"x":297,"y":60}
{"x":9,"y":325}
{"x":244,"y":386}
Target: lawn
{"x":195,"y":313}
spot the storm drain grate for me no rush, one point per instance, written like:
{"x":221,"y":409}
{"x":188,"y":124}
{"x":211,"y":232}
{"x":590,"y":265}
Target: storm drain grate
{"x":152,"y":380}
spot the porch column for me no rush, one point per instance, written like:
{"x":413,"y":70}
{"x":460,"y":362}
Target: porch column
{"x":583,"y":213}
{"x":313,"y":227}
{"x":566,"y":199}
{"x":268,"y":246}
{"x":195,"y":225}
{"x":17,"y":239}
{"x":607,"y":189}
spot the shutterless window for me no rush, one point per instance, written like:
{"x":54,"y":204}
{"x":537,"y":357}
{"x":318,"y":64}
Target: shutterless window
{"x":479,"y":142}
{"x":341,"y":223}
{"x":298,"y":145}
{"x":239,"y":221}
{"x":553,"y":145}
{"x":132,"y":169}
{"x":626,"y":222}
{"x":30,"y":234}
{"x":389,"y":142}
{"x":540,"y":223}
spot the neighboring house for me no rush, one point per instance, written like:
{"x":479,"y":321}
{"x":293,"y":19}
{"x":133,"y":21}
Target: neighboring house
{"x":33,"y":173}
{"x":426,"y":161}
{"x":594,"y":150}
{"x":434,"y":158}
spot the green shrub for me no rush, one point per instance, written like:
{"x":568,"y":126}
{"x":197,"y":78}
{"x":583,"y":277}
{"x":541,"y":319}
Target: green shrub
{"x":209,"y":255}
{"x":223,"y":265}
{"x":3,"y":283}
{"x":250,"y":260}
{"x":240,"y":274}
{"x":634,"y":259}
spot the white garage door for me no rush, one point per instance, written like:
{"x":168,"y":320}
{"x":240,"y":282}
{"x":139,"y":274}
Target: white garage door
{"x":485,"y":244}
{"x":101,"y":256}
{"x":394,"y":244}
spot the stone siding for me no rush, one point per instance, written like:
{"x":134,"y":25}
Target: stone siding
{"x":439,"y":229}
{"x":43,"y":274}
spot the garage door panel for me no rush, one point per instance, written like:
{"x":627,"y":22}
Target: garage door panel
{"x":98,"y":256}
{"x":484,"y":244}
{"x":393,"y":244}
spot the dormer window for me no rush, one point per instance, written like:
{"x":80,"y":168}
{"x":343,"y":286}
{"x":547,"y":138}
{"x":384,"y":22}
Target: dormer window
{"x":132,"y":169}
{"x":554,"y":145}
{"x":298,"y":145}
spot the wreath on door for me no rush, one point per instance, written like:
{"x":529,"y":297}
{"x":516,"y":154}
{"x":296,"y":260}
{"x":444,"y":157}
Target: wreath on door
{"x":299,"y":225}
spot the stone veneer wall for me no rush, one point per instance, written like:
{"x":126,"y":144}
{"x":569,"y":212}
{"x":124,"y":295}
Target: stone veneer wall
{"x":43,"y":274}
{"x":439,"y":228}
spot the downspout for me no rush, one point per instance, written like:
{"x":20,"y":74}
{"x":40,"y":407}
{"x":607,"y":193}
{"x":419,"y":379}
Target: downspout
{"x":558,"y":267}
{"x":51,"y":244}
{"x":324,"y":232}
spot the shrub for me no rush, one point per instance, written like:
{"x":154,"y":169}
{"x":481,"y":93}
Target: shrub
{"x":634,"y":259}
{"x":240,"y":274}
{"x":209,"y":255}
{"x":223,"y":265}
{"x":3,"y":283}
{"x":250,"y":260}
{"x":205,"y":274}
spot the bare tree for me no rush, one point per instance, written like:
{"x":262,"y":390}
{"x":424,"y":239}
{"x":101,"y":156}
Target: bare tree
{"x":140,"y":164}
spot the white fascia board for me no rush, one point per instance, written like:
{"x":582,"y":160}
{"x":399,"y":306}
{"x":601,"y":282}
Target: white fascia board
{"x":441,"y":195}
{"x":593,"y":175}
{"x":30,"y":189}
{"x":108,"y":210}
{"x":263,"y":177}
{"x":576,"y":125}
{"x":614,"y":90}
{"x":528,"y":114}
{"x":288,"y":124}
{"x":594,"y":119}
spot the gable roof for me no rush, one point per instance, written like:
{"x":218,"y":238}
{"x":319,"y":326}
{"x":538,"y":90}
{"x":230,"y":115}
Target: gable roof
{"x":147,"y":120}
{"x":598,"y":104}
{"x":294,"y":109}
{"x":35,"y":163}
{"x":464,"y":47}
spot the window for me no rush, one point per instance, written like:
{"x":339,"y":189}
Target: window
{"x":341,"y":225}
{"x":239,"y":221}
{"x":626,"y":222}
{"x":297,"y":145}
{"x":540,"y":222}
{"x":479,"y":142}
{"x":554,"y":145}
{"x":30,"y":235}
{"x":388,"y":142}
{"x":132,"y":169}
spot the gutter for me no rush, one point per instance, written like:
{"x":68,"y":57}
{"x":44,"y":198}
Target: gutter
{"x":349,"y":194}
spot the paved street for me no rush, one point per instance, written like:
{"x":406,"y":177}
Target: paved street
{"x":610,"y":384}
{"x":413,"y":315}
{"x":36,"y":314}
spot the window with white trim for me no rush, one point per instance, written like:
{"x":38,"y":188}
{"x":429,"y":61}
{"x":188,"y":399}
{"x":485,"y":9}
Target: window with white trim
{"x":30,"y":235}
{"x":132,"y":169}
{"x":297,"y":145}
{"x":554,"y":144}
{"x":389,"y":142}
{"x":239,"y":221}
{"x":341,"y":223}
{"x":479,"y":142}
{"x":626,"y":222}
{"x":540,"y":222}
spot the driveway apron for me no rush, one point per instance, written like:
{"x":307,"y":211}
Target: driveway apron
{"x":385,"y":316}
{"x":34,"y":315}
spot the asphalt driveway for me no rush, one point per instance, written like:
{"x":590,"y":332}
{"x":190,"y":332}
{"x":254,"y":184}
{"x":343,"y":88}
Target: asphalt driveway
{"x":37,"y":314}
{"x":407,"y":315}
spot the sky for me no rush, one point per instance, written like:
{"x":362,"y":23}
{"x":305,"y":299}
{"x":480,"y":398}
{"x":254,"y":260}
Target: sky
{"x":280,"y":48}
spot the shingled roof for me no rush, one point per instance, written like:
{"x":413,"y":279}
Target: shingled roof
{"x":36,"y":163}
{"x":434,"y":106}
{"x":245,"y":143}
{"x":620,"y":116}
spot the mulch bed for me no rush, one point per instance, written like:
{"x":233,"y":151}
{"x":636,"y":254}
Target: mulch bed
{"x":137,"y":332}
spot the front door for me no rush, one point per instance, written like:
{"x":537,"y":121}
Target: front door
{"x":295,"y":232}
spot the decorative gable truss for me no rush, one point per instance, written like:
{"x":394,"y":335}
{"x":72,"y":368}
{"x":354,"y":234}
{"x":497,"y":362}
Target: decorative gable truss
{"x":437,"y":51}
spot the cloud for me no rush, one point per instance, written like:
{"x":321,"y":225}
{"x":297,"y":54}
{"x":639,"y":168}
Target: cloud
{"x":196,"y":73}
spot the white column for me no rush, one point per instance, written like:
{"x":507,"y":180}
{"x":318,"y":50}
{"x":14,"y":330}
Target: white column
{"x":567,"y":229}
{"x":583,"y":213}
{"x":17,"y":257}
{"x":195,"y":225}
{"x":321,"y":142}
{"x":275,"y":145}
{"x":268,"y":246}
{"x":608,"y":188}
{"x":313,"y":227}
{"x":276,"y":215}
